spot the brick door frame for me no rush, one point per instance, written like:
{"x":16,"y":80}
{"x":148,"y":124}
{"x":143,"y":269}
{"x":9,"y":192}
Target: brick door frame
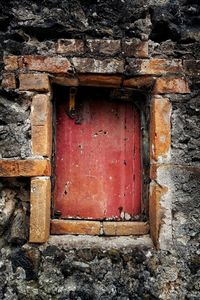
{"x":35,"y":74}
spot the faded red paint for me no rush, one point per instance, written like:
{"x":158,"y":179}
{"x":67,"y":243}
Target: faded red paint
{"x":98,"y":165}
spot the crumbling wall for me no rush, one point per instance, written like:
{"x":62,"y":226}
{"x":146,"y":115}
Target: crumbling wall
{"x":87,"y":269}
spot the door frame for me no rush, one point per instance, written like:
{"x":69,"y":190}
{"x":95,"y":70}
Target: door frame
{"x":140,"y":225}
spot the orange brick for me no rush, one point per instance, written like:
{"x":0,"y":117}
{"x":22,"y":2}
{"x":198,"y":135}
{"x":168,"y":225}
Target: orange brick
{"x":41,"y":109}
{"x":154,"y":170}
{"x":170,"y":85}
{"x":154,"y":66}
{"x":125,"y":228}
{"x":156,"y":192}
{"x":24,"y":168}
{"x":34,"y":82}
{"x":40,"y":209}
{"x":10,"y":62}
{"x":9,"y":81}
{"x":75,"y":227}
{"x":42,"y":140}
{"x":46,"y":63}
{"x":41,"y":121}
{"x":160,"y":128}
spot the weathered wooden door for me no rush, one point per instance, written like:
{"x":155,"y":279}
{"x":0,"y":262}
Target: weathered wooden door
{"x":98,"y":165}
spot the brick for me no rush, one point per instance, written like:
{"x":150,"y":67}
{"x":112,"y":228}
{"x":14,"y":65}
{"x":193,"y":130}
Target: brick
{"x":160,"y":128}
{"x":46,"y":63}
{"x":171,"y":85}
{"x":70,"y":46}
{"x":10,"y":62}
{"x":40,"y":209}
{"x":90,"y":65}
{"x":41,"y":121}
{"x":106,"y":47}
{"x":34,"y":82}
{"x":75,"y":227}
{"x":9,"y":81}
{"x":156,"y":192}
{"x":41,"y":109}
{"x":154,"y":66}
{"x":192,"y":67}
{"x":135,"y":48}
{"x":24,"y":168}
{"x":100,"y":80}
{"x":154,"y":170}
{"x":125,"y":228}
{"x":139,"y":82}
{"x":42,"y":139}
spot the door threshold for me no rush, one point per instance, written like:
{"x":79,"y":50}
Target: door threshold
{"x":102,"y":228}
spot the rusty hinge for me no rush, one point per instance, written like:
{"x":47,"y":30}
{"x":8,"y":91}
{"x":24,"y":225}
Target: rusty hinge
{"x":72,"y":99}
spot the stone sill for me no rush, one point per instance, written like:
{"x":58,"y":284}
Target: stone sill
{"x":88,"y":241}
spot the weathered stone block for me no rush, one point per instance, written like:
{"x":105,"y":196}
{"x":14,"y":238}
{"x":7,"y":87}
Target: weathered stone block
{"x":19,"y":229}
{"x":24,"y":168}
{"x":160,"y":128}
{"x":70,"y":46}
{"x":90,"y":65}
{"x":170,"y":85}
{"x":41,"y":121}
{"x":45,"y":63}
{"x":42,"y":139}
{"x":10,"y":62}
{"x":40,"y":209}
{"x":41,"y":110}
{"x":75,"y":227}
{"x":106,"y":47}
{"x":154,"y":66}
{"x":7,"y":207}
{"x":135,"y":48}
{"x":34,"y":82}
{"x":125,"y":228}
{"x":8,"y":81}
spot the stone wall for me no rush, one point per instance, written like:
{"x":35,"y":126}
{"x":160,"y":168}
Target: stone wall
{"x":94,"y":267}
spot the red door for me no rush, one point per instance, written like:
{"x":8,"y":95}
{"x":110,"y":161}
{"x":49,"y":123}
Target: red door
{"x":98,"y":166}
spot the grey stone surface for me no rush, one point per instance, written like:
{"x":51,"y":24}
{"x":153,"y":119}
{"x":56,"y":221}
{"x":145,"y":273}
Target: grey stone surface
{"x":15,"y":129}
{"x":97,"y":268}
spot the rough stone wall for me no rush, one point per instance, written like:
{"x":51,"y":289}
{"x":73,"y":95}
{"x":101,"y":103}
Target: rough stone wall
{"x":87,"y":269}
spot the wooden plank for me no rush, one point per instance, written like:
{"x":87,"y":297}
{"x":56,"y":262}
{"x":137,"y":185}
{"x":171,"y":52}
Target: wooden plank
{"x":139,"y":82}
{"x":100,"y":80}
{"x":125,"y":228}
{"x":75,"y":227}
{"x":24,"y":168}
{"x":65,"y":81}
{"x":40,"y":209}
